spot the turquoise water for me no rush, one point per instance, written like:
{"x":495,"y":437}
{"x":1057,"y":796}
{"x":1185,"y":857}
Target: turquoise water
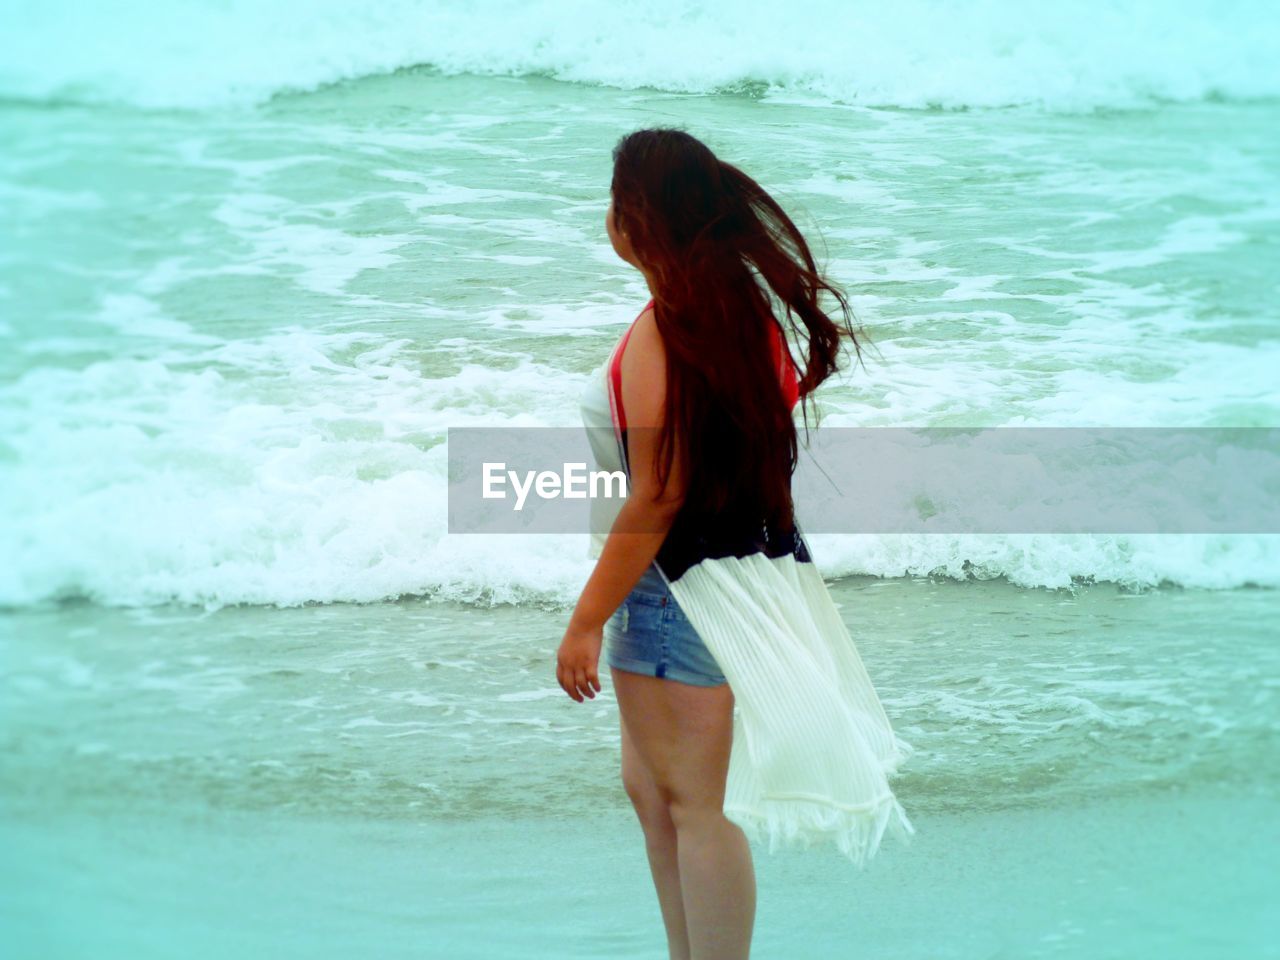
{"x":258,"y":324}
{"x":259,"y":702}
{"x":1095,"y":777}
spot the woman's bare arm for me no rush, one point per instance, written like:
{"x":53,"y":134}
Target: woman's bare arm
{"x":626,"y":555}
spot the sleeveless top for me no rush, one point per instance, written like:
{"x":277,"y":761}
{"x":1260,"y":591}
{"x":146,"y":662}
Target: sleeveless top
{"x":601,"y":408}
{"x":812,"y":745}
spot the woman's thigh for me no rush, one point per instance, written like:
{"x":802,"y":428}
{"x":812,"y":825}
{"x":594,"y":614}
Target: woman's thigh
{"x":683,"y":734}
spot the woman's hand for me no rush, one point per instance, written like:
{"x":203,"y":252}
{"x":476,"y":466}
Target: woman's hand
{"x":646,"y":517}
{"x":577,"y":662}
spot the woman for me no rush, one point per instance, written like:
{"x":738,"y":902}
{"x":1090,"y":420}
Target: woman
{"x":706,"y":584}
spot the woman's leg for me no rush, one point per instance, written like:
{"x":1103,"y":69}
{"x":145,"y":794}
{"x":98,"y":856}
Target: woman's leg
{"x":659,"y":841}
{"x":683,"y":735}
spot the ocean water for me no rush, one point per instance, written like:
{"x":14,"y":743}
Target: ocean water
{"x":257,"y":260}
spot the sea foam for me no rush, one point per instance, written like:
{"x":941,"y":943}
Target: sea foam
{"x":327,"y":480}
{"x":915,"y":53}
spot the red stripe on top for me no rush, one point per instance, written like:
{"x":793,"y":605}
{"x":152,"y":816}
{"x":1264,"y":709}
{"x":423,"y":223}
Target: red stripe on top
{"x":781,"y":358}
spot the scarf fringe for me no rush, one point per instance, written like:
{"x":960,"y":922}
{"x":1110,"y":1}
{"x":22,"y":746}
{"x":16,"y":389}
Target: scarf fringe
{"x":793,"y":822}
{"x":800,"y":824}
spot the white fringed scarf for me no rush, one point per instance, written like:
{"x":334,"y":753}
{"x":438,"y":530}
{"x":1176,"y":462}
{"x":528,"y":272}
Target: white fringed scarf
{"x":812,"y":746}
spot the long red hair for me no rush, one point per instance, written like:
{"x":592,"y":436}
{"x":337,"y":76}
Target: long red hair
{"x":717,"y":246}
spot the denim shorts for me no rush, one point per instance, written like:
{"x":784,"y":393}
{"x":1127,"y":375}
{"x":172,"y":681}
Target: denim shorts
{"x":650,"y":634}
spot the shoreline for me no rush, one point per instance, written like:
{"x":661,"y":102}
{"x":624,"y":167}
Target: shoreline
{"x":969,"y":885}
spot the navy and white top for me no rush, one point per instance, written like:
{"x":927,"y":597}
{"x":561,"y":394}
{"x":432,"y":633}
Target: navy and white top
{"x":812,"y":747}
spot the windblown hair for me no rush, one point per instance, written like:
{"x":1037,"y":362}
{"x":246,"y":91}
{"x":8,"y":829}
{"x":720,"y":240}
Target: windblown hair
{"x":716,"y":243}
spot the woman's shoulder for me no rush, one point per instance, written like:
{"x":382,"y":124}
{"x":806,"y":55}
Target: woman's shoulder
{"x":643,"y":384}
{"x":643,"y":336}
{"x":647,"y":315}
